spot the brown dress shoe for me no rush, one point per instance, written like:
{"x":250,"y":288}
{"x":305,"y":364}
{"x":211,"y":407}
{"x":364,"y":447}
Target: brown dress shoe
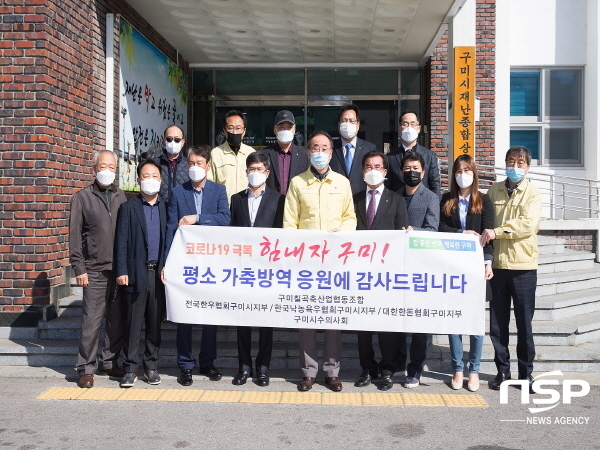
{"x":306,"y":384}
{"x":86,"y":381}
{"x":334,"y":384}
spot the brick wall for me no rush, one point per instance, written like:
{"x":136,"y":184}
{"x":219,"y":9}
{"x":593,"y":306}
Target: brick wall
{"x":485,"y":87}
{"x":52,"y":80}
{"x":575,"y":239}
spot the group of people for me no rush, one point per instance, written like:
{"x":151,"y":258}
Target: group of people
{"x":328,"y":187}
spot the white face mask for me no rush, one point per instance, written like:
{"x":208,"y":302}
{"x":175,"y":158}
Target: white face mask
{"x":348,"y":130}
{"x":285,"y":136}
{"x":197,"y":173}
{"x":150,"y":186}
{"x":256,"y":179}
{"x":374,"y":177}
{"x":464,"y":180}
{"x":105,"y":177}
{"x":409,"y":134}
{"x":173,"y":147}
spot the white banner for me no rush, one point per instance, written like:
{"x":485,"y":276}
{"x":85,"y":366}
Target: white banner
{"x":354,"y":280}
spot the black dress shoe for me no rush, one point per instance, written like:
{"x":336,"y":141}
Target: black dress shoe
{"x":241,"y":377}
{"x":386,"y":383}
{"x":364,"y":380}
{"x":500,"y":378}
{"x":185,"y":379}
{"x":262,"y":379}
{"x":530,"y":379}
{"x":211,"y":372}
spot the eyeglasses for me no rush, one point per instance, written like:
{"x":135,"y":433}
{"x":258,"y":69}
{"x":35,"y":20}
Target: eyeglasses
{"x":376,"y":167}
{"x":233,"y":129}
{"x":316,"y":149}
{"x":516,"y":162}
{"x":409,"y":124}
{"x":255,"y":169}
{"x":352,"y":121}
{"x":171,"y":139}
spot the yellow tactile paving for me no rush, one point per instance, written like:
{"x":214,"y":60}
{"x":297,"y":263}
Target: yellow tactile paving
{"x":380,"y":399}
{"x":181,"y":395}
{"x":423,"y":400}
{"x":61,"y":393}
{"x":301,"y":398}
{"x":141,"y":394}
{"x":260,"y":397}
{"x":464,"y":400}
{"x":221,"y":396}
{"x":340,"y":398}
{"x":101,"y":394}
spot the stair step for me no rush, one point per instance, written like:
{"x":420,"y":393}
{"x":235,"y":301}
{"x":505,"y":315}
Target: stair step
{"x":567,"y":304}
{"x":570,"y":260}
{"x":550,"y":245}
{"x":18,"y":333}
{"x":575,"y":280}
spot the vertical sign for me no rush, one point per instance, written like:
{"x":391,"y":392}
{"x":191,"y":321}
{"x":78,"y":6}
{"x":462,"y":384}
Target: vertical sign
{"x":464,"y":102}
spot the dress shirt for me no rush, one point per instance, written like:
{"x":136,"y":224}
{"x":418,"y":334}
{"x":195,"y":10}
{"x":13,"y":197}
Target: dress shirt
{"x":284,"y":160}
{"x":152,"y":228}
{"x":463,"y":209}
{"x":377,"y":196}
{"x":254,"y":203}
{"x":198,"y":194}
{"x":352,"y":143}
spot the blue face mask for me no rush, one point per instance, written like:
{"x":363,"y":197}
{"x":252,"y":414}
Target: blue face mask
{"x":515,"y":174}
{"x":319,"y":160}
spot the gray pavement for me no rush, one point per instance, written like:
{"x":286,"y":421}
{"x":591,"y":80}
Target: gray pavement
{"x":27,"y":423}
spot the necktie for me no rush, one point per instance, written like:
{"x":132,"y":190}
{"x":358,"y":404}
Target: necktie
{"x":371,"y":207}
{"x":348,"y":158}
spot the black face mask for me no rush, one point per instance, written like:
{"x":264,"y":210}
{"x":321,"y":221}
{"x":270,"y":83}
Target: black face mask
{"x":412,"y":178}
{"x":234,"y":140}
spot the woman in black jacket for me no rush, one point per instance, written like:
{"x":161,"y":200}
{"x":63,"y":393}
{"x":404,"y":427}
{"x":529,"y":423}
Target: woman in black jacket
{"x":466,"y":210}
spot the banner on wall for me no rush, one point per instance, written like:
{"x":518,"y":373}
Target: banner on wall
{"x":354,"y":280}
{"x":152,"y":96}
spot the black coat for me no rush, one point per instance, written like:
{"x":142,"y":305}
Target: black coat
{"x":298,"y":165}
{"x":179,"y":176}
{"x":390,"y":215}
{"x":395,"y":179}
{"x":269,"y":214}
{"x":131,"y":243}
{"x":338,"y":164}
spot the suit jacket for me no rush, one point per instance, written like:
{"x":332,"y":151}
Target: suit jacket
{"x":215,"y":208}
{"x":298,"y":165}
{"x":423,"y":210}
{"x":338,"y":164}
{"x":269,"y":214}
{"x":131,"y":243}
{"x":475,"y":222}
{"x":390,"y":215}
{"x":431,"y":180}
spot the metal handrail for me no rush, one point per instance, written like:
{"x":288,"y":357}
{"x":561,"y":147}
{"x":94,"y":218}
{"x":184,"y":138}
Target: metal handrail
{"x":582,"y":194}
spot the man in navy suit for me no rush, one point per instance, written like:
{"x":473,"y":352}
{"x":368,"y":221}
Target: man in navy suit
{"x":256,"y":206}
{"x":139,"y":259}
{"x":286,"y":158}
{"x":409,"y":129}
{"x":197,"y":202}
{"x":377,"y":208}
{"x":347,"y":157}
{"x":423,"y":215}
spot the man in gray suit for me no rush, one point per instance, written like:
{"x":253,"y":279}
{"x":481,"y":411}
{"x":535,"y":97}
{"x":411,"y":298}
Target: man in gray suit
{"x":423,"y":208}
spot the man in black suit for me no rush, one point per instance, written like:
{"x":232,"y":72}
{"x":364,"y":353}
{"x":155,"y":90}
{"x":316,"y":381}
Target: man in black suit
{"x":377,"y":208}
{"x":348,"y":155}
{"x":286,"y":158}
{"x":409,"y":131}
{"x":256,"y":206}
{"x":139,"y":259}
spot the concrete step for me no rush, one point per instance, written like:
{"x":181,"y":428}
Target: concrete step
{"x":69,"y":306}
{"x":567,"y":304}
{"x":548,"y":245}
{"x":568,"y":261}
{"x":38,"y":353}
{"x":575,"y":280}
{"x":18,"y":333}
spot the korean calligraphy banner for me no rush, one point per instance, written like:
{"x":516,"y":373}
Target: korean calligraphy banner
{"x":152,"y":96}
{"x":353,"y":280}
{"x":464,"y":101}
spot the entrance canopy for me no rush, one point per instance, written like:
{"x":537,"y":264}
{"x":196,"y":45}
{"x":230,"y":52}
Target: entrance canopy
{"x":213,"y":33}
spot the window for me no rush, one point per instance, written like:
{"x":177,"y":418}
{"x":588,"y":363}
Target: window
{"x":546,"y":109}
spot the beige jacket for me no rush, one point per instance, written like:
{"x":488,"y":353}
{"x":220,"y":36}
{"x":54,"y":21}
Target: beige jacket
{"x":228,"y":168}
{"x":516,"y":223}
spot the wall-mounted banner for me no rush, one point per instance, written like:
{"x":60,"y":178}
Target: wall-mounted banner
{"x":362,"y":280}
{"x":152,"y":96}
{"x":464,"y":101}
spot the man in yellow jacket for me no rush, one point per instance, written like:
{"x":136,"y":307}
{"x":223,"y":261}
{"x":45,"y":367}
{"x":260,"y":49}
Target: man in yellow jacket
{"x":320,"y":199}
{"x":517,"y":207}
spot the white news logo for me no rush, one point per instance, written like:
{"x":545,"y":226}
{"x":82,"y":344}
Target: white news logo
{"x":554,"y":400}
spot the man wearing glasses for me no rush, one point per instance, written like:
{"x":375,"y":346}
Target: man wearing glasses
{"x":347,"y":158}
{"x":228,"y":165}
{"x":172,"y":162}
{"x":320,"y":199}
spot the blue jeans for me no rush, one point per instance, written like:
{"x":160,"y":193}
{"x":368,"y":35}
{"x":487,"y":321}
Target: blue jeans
{"x":456,"y":352}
